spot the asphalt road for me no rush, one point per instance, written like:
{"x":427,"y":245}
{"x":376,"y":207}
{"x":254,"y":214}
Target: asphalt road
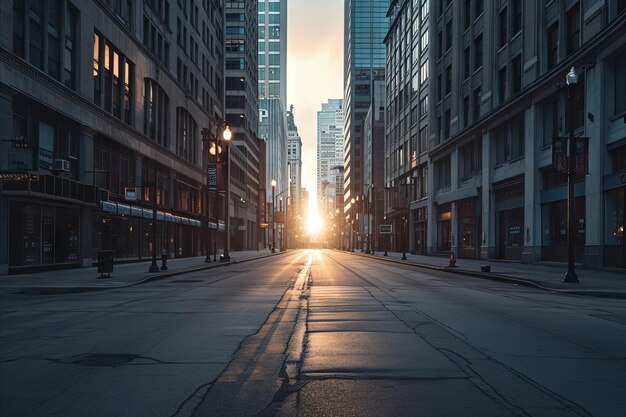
{"x":313,"y":333}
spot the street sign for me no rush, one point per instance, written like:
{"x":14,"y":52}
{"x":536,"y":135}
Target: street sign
{"x":384,"y":229}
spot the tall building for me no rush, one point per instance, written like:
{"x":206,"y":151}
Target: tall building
{"x":409,"y":65}
{"x":329,"y":153}
{"x":365,"y":27}
{"x":498,"y":100}
{"x":272,"y":130}
{"x":242,"y":115}
{"x":273,"y":49}
{"x":373,"y":169}
{"x":101,"y":106}
{"x":294,"y":162}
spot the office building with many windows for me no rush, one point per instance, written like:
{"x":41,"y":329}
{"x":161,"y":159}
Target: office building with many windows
{"x":365,"y":27}
{"x":273,"y":49}
{"x":329,"y":155}
{"x":102,"y":104}
{"x":498,"y":99}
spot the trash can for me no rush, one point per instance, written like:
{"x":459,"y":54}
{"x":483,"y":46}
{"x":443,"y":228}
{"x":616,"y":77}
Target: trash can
{"x":105,"y":263}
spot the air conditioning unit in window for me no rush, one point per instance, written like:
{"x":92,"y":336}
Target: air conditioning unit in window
{"x":62,"y":165}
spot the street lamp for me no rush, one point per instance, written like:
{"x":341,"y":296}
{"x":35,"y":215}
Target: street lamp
{"x":352,"y":201}
{"x":273,"y":216}
{"x":570,"y":277}
{"x":153,"y":266}
{"x":227,"y":135}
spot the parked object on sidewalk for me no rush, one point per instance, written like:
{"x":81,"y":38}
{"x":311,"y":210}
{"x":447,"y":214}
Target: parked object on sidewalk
{"x":485,"y":268}
{"x":164,"y":262}
{"x":452,"y":260}
{"x":105,"y":263}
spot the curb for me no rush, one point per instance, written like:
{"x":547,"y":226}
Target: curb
{"x":144,"y":279}
{"x":505,"y":278}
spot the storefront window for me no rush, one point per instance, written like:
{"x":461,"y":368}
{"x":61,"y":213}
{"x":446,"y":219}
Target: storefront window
{"x":46,"y":235}
{"x":554,"y":225}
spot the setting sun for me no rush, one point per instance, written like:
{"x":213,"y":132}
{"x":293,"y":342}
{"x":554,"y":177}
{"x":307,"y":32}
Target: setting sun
{"x":314,"y":223}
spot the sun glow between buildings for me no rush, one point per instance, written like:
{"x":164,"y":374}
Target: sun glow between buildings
{"x":314,"y":222}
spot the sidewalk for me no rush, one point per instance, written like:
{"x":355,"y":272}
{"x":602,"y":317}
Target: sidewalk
{"x":87,"y":279}
{"x":547,"y":276}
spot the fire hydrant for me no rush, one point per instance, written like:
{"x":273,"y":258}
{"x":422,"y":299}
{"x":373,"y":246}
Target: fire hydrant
{"x":452,"y":260}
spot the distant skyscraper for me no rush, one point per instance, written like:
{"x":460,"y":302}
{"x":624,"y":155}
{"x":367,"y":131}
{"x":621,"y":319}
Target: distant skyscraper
{"x":365,"y":27}
{"x":273,"y":49}
{"x":329,"y":152}
{"x":294,"y":160}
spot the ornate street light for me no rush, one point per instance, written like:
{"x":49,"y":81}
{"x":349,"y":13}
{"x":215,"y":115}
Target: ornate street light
{"x":570,"y":277}
{"x":227,"y":135}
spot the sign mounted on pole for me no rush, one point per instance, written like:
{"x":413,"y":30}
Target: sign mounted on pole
{"x":212,"y":177}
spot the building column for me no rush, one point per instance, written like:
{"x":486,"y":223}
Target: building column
{"x":532,"y":188}
{"x":454,"y":185}
{"x":594,"y":195}
{"x":86,"y":155}
{"x":6,"y":132}
{"x":86,"y":176}
{"x":488,"y":224}
{"x":431,"y":226}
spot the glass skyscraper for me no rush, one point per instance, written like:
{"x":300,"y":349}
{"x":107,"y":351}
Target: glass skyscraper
{"x":272,"y":22}
{"x":365,"y":27}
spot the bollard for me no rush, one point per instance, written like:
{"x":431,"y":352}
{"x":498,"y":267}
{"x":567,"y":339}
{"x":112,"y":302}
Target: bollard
{"x":164,"y":262}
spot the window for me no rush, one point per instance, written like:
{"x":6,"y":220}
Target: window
{"x":424,"y":69}
{"x":439,"y":45}
{"x":466,"y":107}
{"x":466,"y":63}
{"x":553,"y":45}
{"x":423,"y":140}
{"x":19,"y":27}
{"x":448,"y":72}
{"x":478,"y":52}
{"x":156,"y":112}
{"x":573,"y":29}
{"x":517,"y":17}
{"x":620,"y":83}
{"x":479,"y":8}
{"x":467,"y":9}
{"x":186,"y":135}
{"x":36,"y":33}
{"x":502,"y":19}
{"x":446,"y":124}
{"x":69,"y":58}
{"x":449,"y":35}
{"x":551,"y":121}
{"x":424,"y":106}
{"x":470,"y":159}
{"x":477,"y":103}
{"x":501,"y":85}
{"x":113,"y":73}
{"x":443,"y":175}
{"x":517,"y":74}
{"x":510,"y":141}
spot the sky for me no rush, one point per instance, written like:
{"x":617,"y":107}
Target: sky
{"x":314,"y":71}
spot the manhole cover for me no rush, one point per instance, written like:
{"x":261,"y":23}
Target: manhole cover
{"x":186,"y":281}
{"x":100,"y":359}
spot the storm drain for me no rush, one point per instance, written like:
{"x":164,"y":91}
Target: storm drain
{"x":100,"y":359}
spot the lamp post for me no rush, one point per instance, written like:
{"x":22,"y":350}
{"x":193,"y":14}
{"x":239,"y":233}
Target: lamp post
{"x":352,"y":201}
{"x":386,"y":240}
{"x":570,"y":277}
{"x":273,"y":216}
{"x":227,"y":135}
{"x":153,"y":266}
